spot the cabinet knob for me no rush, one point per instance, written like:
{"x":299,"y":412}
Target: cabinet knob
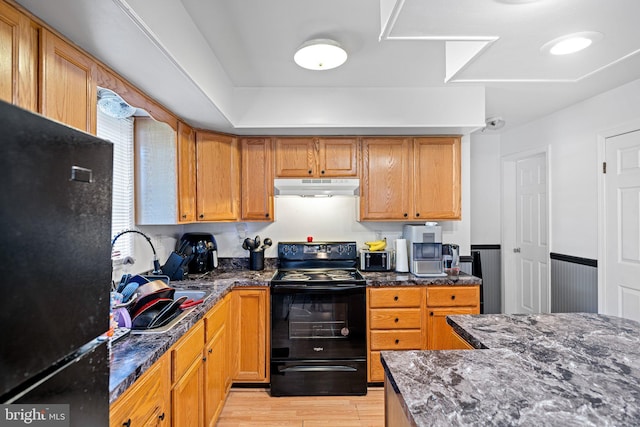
{"x":210,"y":350}
{"x":322,"y":172}
{"x":396,"y":320}
{"x":417,"y":214}
{"x":395,"y":298}
{"x":204,"y":359}
{"x":127,"y":423}
{"x":397,"y":341}
{"x":453,"y":297}
{"x":431,"y":313}
{"x":405,"y":214}
{"x":161,"y":416}
{"x":201,"y":215}
{"x":310,"y":171}
{"x":184,"y":216}
{"x":266,"y":215}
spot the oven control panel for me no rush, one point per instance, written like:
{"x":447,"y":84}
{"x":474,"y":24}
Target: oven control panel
{"x":317,"y":250}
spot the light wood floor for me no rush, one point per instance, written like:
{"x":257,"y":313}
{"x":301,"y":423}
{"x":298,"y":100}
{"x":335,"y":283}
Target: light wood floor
{"x":255,"y":407}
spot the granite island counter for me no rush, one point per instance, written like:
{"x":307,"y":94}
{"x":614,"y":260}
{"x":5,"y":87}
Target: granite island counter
{"x":544,"y":370}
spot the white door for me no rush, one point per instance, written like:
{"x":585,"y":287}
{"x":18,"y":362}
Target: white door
{"x":622,"y":226}
{"x":531,"y":252}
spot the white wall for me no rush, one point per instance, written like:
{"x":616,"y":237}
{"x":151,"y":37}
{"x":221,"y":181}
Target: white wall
{"x":485,"y":188}
{"x":572,"y":136}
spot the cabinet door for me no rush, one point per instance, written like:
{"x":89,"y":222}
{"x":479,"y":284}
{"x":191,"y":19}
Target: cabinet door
{"x":295,"y":157}
{"x":440,"y":335}
{"x":257,"y":179}
{"x":18,"y":58}
{"x":386,"y":187}
{"x":218,"y":177}
{"x":187,"y":406}
{"x":146,"y":402}
{"x":214,"y":383}
{"x":186,"y":173}
{"x":250,"y":335}
{"x":437,"y":178}
{"x":68,"y":90}
{"x":155,"y":172}
{"x":338,"y":157}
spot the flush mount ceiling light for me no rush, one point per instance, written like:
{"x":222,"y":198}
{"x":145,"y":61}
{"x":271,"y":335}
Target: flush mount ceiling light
{"x":320,"y":54}
{"x":571,"y":43}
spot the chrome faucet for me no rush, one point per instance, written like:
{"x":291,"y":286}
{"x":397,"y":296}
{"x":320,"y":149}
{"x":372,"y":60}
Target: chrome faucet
{"x":156,"y":263}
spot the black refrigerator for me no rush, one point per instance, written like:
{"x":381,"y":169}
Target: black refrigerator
{"x":55,"y":270}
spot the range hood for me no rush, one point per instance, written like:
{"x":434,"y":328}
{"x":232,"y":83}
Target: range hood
{"x":317,"y":187}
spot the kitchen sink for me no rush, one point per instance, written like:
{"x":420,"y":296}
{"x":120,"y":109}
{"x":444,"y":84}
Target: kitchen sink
{"x":194,"y":295}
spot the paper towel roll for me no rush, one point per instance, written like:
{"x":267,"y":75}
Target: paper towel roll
{"x":402,"y":259}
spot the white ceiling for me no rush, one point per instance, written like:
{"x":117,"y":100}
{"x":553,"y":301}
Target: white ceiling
{"x":415,"y":66}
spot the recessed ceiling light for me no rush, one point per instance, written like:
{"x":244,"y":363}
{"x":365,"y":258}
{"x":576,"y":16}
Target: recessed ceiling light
{"x":571,"y":43}
{"x":320,"y":54}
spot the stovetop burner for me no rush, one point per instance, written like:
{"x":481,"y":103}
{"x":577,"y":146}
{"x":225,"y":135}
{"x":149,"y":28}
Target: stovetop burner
{"x":318,"y":263}
{"x":318,"y":275}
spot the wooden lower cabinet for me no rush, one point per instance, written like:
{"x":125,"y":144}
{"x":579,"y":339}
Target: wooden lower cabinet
{"x":216,"y":361}
{"x":187,"y":374}
{"x":414,"y":318}
{"x":189,"y":384}
{"x":250,"y":335}
{"x":395,"y":321}
{"x":146,"y":403}
{"x":187,"y":406}
{"x":443,"y":301}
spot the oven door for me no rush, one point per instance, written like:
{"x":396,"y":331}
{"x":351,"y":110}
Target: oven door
{"x":318,"y":322}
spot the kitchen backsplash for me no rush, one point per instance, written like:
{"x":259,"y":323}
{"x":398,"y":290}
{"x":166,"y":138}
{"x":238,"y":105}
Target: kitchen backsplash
{"x":332,"y":218}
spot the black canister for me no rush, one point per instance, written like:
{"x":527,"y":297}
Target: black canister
{"x":256,"y":260}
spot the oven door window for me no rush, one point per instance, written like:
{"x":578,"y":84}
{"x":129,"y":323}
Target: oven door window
{"x":317,"y":317}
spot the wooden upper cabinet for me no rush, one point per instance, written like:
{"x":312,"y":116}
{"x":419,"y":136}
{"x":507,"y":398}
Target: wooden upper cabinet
{"x":257,"y":179}
{"x":338,"y":157}
{"x":437,"y":177}
{"x":217,"y":177}
{"x":410,"y":178}
{"x":186,"y":173}
{"x":68,"y":91}
{"x":386,"y":186}
{"x":295,"y":157}
{"x":18,"y":58}
{"x":303,"y":157}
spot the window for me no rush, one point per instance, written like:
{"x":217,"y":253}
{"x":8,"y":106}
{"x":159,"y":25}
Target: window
{"x":120,"y":133}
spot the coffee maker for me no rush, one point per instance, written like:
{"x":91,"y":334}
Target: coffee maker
{"x":202,"y":250}
{"x":425,"y":249}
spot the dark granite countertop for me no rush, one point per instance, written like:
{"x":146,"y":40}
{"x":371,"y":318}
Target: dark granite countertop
{"x":533,"y":370}
{"x":393,"y":278}
{"x":133,"y":355}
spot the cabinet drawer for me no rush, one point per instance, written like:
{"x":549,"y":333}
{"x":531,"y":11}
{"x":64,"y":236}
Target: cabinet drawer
{"x":186,"y":350}
{"x":453,"y":296}
{"x":145,"y":400}
{"x":395,"y":318}
{"x":396,"y":340}
{"x":376,"y":371}
{"x":215,"y":319}
{"x":395,"y":297}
